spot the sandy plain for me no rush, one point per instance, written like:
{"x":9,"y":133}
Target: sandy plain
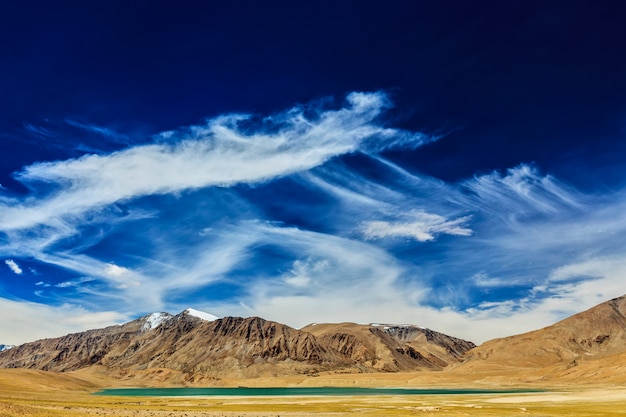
{"x":39,"y":394}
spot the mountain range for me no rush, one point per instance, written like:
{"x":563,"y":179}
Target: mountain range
{"x":196,"y":347}
{"x":199,"y":345}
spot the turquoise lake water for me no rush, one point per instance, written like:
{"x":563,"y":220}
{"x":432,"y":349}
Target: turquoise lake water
{"x":299,"y":391}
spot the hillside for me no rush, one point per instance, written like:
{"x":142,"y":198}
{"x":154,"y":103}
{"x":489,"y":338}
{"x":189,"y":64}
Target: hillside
{"x":195,"y":348}
{"x":203,"y":347}
{"x":590,"y":344}
{"x":391,"y":348}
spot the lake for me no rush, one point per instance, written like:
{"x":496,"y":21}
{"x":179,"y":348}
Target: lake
{"x":294,"y":391}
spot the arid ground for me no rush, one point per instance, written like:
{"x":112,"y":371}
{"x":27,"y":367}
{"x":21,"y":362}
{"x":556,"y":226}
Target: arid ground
{"x":37,"y":393}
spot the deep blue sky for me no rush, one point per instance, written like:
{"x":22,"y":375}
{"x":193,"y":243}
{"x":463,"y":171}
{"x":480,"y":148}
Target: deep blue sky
{"x":458,"y":165}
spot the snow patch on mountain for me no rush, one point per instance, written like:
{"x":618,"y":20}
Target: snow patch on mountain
{"x":6,"y":347}
{"x":399,"y":326}
{"x":154,"y":320}
{"x":200,"y":314}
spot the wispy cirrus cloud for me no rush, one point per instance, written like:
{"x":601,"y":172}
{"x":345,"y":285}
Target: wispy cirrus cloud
{"x":524,"y":226}
{"x":522,"y":191}
{"x":220,"y":153}
{"x":39,"y":131}
{"x":420,"y":226}
{"x":68,"y":284}
{"x":106,"y":132}
{"x":335,"y":277}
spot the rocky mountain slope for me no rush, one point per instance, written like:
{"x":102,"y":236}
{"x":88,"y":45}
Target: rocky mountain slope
{"x":391,"y":348}
{"x":193,"y":347}
{"x":200,"y":346}
{"x":582,"y":345}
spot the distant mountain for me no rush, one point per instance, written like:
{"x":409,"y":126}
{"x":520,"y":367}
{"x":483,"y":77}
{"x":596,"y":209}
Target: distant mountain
{"x":195,"y":347}
{"x":589,"y":344}
{"x":200,"y":345}
{"x":391,"y":348}
{"x":6,"y":347}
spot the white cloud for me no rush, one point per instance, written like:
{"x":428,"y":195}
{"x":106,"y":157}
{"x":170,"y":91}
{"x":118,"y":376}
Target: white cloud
{"x":329,"y":279}
{"x":568,"y":290}
{"x":302,"y":271}
{"x":220,"y":153}
{"x":423,"y":227}
{"x":588,"y":282}
{"x":115,"y":271}
{"x":124,"y":286}
{"x":298,"y":280}
{"x":523,"y":191}
{"x":14,"y":266}
{"x":483,"y":280}
{"x":74,"y":283}
{"x":27,"y":321}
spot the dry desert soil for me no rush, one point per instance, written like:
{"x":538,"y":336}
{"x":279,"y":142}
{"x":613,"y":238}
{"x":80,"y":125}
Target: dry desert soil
{"x":38,"y":393}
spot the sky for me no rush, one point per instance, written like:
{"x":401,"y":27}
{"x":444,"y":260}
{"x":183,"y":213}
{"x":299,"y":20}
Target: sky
{"x":455,"y":165}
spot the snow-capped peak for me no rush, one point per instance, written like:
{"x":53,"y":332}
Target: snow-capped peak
{"x":6,"y":347}
{"x":200,"y":314}
{"x":154,"y":320}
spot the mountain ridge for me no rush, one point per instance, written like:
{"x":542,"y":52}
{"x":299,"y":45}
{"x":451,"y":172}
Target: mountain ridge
{"x":188,"y":349}
{"x":196,"y":343}
{"x":589,"y":345}
{"x":596,"y":332}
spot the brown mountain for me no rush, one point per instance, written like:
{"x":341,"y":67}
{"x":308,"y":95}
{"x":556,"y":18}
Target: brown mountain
{"x":391,"y":348}
{"x":237,"y":347}
{"x":591,"y":344}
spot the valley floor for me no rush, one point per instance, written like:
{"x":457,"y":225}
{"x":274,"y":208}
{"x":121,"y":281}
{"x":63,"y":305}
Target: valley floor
{"x":39,"y":394}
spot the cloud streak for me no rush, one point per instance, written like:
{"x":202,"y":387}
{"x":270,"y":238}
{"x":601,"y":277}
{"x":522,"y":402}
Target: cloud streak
{"x":13,"y":266}
{"x":422,"y":227}
{"x":102,"y":131}
{"x":221,"y":153}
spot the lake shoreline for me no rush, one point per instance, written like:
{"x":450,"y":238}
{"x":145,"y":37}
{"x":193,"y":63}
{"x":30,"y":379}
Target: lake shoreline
{"x":229,"y":392}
